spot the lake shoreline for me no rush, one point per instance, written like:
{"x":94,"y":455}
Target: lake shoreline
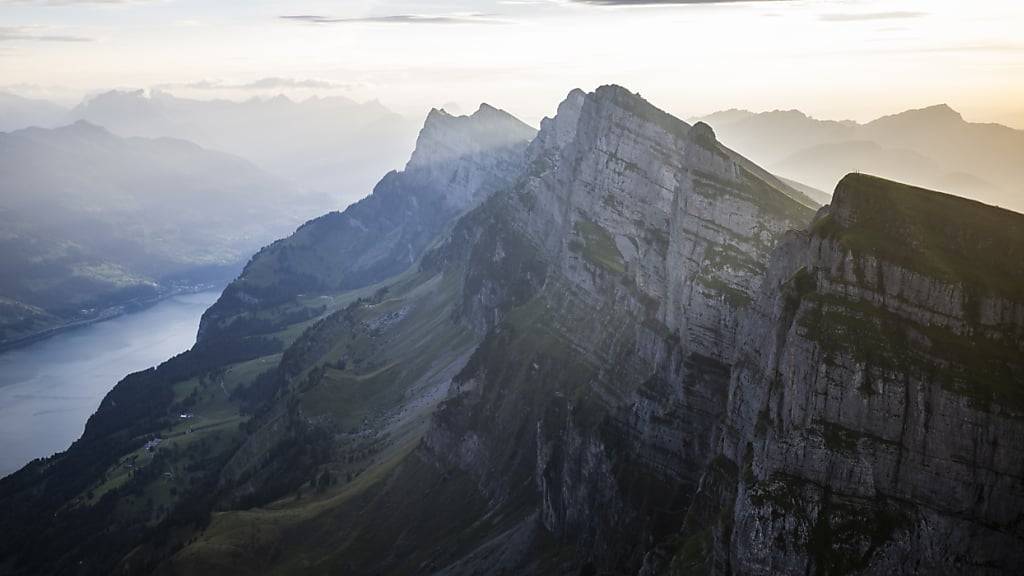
{"x":49,"y":389}
{"x":107,"y":314}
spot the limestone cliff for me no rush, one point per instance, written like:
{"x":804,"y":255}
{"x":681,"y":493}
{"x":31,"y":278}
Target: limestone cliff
{"x":611,"y":375}
{"x":876,"y":410}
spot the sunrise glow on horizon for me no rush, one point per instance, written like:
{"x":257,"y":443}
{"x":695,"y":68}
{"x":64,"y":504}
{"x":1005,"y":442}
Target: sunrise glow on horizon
{"x":834,"y":59}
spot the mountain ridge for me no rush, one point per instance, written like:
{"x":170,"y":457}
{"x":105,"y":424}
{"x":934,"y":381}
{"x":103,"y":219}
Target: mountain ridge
{"x":455,"y":165}
{"x":333,"y":145}
{"x":633,"y":352}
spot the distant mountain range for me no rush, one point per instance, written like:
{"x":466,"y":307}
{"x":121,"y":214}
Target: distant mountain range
{"x":90,"y":221}
{"x":333,"y":145}
{"x":17,"y":112}
{"x":341,"y":147}
{"x":931,"y":147}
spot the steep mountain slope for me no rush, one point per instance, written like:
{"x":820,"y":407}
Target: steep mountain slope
{"x":874,"y":422}
{"x":458,"y":161}
{"x":334,"y":145}
{"x":90,"y":221}
{"x":932,"y":147}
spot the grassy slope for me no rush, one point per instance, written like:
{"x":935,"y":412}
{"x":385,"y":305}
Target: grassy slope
{"x":375,"y":386}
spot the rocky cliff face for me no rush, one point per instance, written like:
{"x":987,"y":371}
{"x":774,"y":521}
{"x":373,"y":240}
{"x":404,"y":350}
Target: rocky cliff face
{"x":874,"y":421}
{"x":612,"y":374}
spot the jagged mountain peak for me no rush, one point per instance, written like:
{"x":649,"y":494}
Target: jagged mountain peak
{"x":445,"y":137}
{"x":486,"y":109}
{"x":613,"y":112}
{"x":598,"y":110}
{"x":559,"y":130}
{"x":437,"y":115}
{"x":458,"y":162}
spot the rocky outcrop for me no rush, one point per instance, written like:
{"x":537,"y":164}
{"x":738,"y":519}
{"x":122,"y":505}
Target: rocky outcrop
{"x":875,"y":411}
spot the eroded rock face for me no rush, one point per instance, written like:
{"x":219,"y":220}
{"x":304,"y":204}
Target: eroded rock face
{"x":639,"y":198}
{"x":875,"y":419}
{"x":610,"y":373}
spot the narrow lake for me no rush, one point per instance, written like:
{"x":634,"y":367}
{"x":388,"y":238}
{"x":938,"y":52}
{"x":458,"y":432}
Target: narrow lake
{"x":50,"y":388}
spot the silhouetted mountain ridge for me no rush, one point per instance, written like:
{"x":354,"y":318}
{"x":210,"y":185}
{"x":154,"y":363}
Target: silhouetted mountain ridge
{"x":932,"y":147}
{"x":332,"y":145}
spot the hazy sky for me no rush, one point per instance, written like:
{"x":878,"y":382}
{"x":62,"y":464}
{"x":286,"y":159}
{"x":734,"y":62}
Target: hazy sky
{"x":831,"y":58}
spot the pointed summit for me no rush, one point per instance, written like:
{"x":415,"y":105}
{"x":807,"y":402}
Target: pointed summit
{"x":938,"y":111}
{"x":486,"y":109}
{"x":459,"y":161}
{"x":561,"y":129}
{"x":446,"y":137}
